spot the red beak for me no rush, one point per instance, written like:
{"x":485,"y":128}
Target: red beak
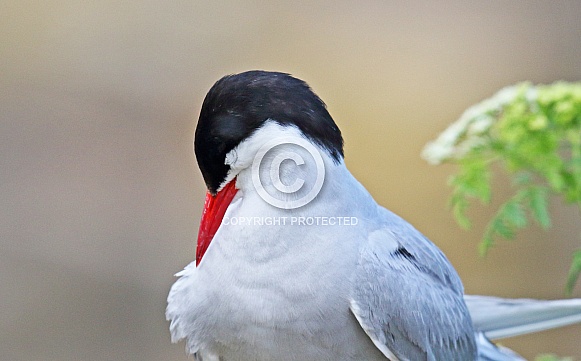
{"x":214,"y":209}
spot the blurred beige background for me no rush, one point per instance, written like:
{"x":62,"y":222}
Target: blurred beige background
{"x":100,"y":192}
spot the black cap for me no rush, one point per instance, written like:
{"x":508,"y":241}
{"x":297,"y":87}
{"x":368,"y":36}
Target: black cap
{"x":239,"y":104}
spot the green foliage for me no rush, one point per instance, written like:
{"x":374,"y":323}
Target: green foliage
{"x":575,"y":270}
{"x":534,"y":134}
{"x":551,"y":357}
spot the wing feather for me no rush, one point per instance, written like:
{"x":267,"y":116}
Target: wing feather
{"x":408,"y":298}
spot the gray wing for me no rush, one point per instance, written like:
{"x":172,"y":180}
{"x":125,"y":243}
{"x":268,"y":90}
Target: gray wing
{"x":408,"y":298}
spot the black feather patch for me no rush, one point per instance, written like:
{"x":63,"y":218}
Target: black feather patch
{"x":404,"y":253}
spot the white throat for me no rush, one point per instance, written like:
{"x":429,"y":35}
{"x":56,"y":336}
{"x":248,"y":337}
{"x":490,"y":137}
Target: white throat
{"x":280,"y":163}
{"x":307,"y":192}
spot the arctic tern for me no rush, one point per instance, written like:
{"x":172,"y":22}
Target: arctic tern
{"x":296,"y":261}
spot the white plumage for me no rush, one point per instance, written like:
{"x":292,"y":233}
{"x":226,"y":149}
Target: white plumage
{"x":372,"y":288}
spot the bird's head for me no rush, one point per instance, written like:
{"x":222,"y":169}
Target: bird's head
{"x":237,"y":108}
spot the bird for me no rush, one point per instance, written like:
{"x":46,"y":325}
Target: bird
{"x":295,"y":260}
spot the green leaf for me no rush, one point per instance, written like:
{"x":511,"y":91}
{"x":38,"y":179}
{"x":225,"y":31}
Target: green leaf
{"x":459,"y":207}
{"x":486,"y":244}
{"x":538,"y":203}
{"x":574,"y":271}
{"x":499,"y":226}
{"x":473,"y":180}
{"x":551,"y":357}
{"x":513,"y":213}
